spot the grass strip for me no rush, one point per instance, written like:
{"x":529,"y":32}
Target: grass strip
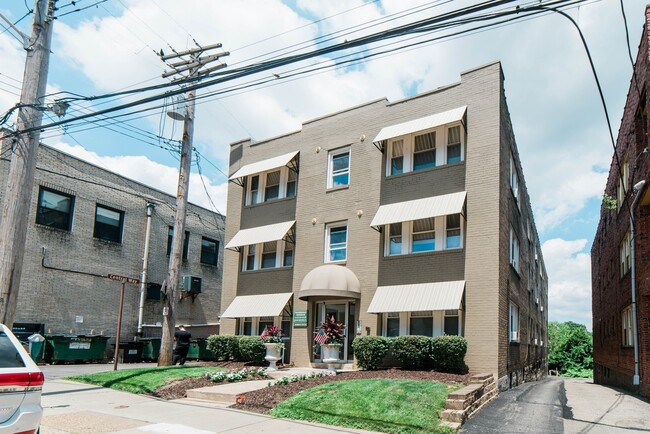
{"x":393,"y":406}
{"x":143,"y":380}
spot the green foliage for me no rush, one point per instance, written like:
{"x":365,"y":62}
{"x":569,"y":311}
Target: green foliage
{"x":220,"y":345}
{"x":412,"y":351}
{"x":252,"y":349}
{"x":570,"y":349}
{"x":370,"y":351}
{"x":374,"y":405}
{"x":448,"y":353}
{"x":235,"y":353}
{"x":609,"y":202}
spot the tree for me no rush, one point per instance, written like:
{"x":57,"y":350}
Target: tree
{"x":570,"y":349}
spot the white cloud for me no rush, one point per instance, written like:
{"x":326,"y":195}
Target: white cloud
{"x":156,"y":175}
{"x":569,"y":274}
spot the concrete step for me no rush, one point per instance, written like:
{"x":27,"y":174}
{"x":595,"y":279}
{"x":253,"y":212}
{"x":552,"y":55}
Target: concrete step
{"x":226,"y":393}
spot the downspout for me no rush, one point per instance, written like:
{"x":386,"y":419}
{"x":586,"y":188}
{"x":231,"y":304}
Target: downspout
{"x":145,"y":264}
{"x":635,"y":380}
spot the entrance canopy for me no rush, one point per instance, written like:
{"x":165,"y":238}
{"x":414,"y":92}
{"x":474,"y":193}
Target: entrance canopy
{"x":418,"y":297}
{"x":334,"y":281}
{"x":435,"y":206}
{"x":260,"y":234}
{"x":257,"y":305}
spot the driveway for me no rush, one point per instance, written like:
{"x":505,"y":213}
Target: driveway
{"x":562,"y":405}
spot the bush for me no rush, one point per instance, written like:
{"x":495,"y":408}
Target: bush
{"x":252,"y":349}
{"x":370,"y":351}
{"x":412,"y":351}
{"x":448,"y":353}
{"x":220,"y":346}
{"x":235,"y":352}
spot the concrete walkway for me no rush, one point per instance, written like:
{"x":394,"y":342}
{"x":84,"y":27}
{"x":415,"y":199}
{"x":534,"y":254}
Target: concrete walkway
{"x":71,"y":407}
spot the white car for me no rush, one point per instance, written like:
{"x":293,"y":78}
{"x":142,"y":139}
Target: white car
{"x":21,"y":382}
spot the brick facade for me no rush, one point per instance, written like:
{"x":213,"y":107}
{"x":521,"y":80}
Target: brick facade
{"x":611,"y":284}
{"x":491,"y":210}
{"x":62,"y":282}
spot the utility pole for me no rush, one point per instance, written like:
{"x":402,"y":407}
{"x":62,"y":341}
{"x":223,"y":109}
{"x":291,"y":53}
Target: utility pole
{"x":17,"y":200}
{"x":192,"y":67}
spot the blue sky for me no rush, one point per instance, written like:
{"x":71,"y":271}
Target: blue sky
{"x":558,"y":121}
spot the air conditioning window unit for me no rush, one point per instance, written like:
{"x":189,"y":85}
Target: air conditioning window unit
{"x":192,"y":284}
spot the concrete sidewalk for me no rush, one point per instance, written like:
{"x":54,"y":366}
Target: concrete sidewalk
{"x":71,"y":407}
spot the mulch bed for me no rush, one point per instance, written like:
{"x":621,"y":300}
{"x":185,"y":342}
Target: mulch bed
{"x":263,"y":400}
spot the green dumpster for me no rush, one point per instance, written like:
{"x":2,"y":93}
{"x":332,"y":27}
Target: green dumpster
{"x":150,"y":349}
{"x":72,"y":348}
{"x":36,"y":347}
{"x":199,"y":350}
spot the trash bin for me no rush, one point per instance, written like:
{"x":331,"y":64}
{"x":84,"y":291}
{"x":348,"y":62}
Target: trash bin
{"x":36,"y":347}
{"x":131,"y":351}
{"x":199,"y":350}
{"x":150,"y":349}
{"x":72,"y":348}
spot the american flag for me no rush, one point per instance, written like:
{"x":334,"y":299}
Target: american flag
{"x":264,"y":333}
{"x":320,"y":337}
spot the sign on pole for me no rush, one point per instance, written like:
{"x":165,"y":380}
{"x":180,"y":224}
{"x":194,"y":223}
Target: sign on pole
{"x":123,"y":279}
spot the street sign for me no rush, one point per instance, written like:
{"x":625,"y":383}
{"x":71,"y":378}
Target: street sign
{"x":124,"y":279}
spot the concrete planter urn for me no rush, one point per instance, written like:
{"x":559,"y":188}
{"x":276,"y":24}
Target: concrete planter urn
{"x":273,"y":354}
{"x":330,"y":354}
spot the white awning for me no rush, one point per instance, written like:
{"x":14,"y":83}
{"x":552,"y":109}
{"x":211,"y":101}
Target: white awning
{"x":419,"y":209}
{"x":257,"y":305}
{"x":418,"y":297}
{"x":264,"y":165}
{"x":260,"y":234}
{"x":421,"y":124}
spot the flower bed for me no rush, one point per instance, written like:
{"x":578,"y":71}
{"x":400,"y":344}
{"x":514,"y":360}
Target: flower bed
{"x":296,"y":378}
{"x":238,"y":375}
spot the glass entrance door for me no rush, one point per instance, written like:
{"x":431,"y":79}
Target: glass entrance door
{"x":342,"y":312}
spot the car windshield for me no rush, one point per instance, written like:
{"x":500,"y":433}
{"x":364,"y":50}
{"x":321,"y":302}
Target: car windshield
{"x":9,"y":357}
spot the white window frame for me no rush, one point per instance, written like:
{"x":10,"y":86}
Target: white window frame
{"x":514,"y":250}
{"x":513,"y":323}
{"x":407,"y":236}
{"x":436,"y":245}
{"x":620,"y":190}
{"x":279,"y":256}
{"x":330,"y":166}
{"x":438,"y":323}
{"x":261,"y":187}
{"x":514,"y":180}
{"x":442,"y":139}
{"x":255,"y":324}
{"x":328,"y":228}
{"x":627,"y":327}
{"x":624,"y":251}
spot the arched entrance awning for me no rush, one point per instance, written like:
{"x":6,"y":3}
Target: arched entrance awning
{"x":333,"y":281}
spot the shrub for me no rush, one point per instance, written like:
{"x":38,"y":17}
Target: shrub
{"x":412,"y":351}
{"x":235,"y":352}
{"x":252,"y":349}
{"x":220,"y":346}
{"x":370,"y":351}
{"x":448,"y":353}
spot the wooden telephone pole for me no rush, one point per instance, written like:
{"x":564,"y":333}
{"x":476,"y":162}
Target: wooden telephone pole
{"x":191,"y":64}
{"x":17,"y":200}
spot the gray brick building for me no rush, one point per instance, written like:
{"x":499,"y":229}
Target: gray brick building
{"x":86,"y":222}
{"x":405,"y":217}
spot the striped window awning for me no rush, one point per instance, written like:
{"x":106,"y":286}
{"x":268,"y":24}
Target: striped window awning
{"x":418,"y":297}
{"x":260,"y":234}
{"x":263,"y":166}
{"x":257,"y":305}
{"x":419,"y":209}
{"x":421,"y":124}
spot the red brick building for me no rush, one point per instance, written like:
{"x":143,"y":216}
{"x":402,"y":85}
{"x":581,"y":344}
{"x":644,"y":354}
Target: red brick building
{"x":616,"y":245}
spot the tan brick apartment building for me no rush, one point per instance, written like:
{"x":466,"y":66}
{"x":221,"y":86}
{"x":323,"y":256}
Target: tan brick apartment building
{"x":86,"y":222}
{"x":406,"y":217}
{"x":616,"y":246}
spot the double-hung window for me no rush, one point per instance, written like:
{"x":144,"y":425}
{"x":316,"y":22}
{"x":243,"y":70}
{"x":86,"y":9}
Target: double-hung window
{"x":514,"y":250}
{"x":623,"y":184}
{"x":453,"y":231}
{"x":186,"y":242}
{"x":451,"y":322}
{"x":392,"y":324}
{"x":338,"y":172}
{"x":272,"y":188}
{"x":268,"y":255}
{"x":250,"y":258}
{"x":209,"y":251}
{"x":397,"y":157}
{"x":108,"y":224}
{"x":55,"y":209}
{"x":424,"y":235}
{"x":514,"y":179}
{"x":424,"y":152}
{"x":292,"y":181}
{"x":254,"y":190}
{"x":624,"y":254}
{"x":395,"y":239}
{"x":271,"y":185}
{"x":421,"y":235}
{"x":514,"y":322}
{"x":627,"y":327}
{"x":288,"y":254}
{"x":421,"y":323}
{"x":453,"y":145}
{"x":336,"y":242}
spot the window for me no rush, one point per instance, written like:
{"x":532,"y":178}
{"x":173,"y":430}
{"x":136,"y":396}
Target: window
{"x":292,"y":180}
{"x":628,"y":327}
{"x":451,"y":326}
{"x":250,"y":258}
{"x":624,"y":254}
{"x":272,"y":189}
{"x":247,"y":326}
{"x":392,"y":324}
{"x":108,"y":224}
{"x":395,"y":239}
{"x":339,"y":168}
{"x":186,"y":242}
{"x":55,"y":209}
{"x":209,"y":251}
{"x":623,"y":185}
{"x":253,"y":194}
{"x":421,"y":323}
{"x":514,"y":250}
{"x":424,"y":153}
{"x":514,"y":322}
{"x":514,"y":179}
{"x":453,"y":145}
{"x":269,"y":253}
{"x":453,"y":231}
{"x":263,"y":323}
{"x":336,"y":243}
{"x":424,"y":235}
{"x":397,"y":157}
{"x":288,"y":255}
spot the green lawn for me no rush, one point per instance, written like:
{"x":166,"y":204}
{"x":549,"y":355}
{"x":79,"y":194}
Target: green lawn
{"x":393,"y":406}
{"x":143,"y":380}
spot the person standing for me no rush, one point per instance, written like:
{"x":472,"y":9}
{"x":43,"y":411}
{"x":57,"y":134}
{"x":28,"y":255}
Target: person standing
{"x":182,"y":338}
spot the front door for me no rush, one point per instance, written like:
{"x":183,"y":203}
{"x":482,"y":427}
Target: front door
{"x":342,"y":312}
